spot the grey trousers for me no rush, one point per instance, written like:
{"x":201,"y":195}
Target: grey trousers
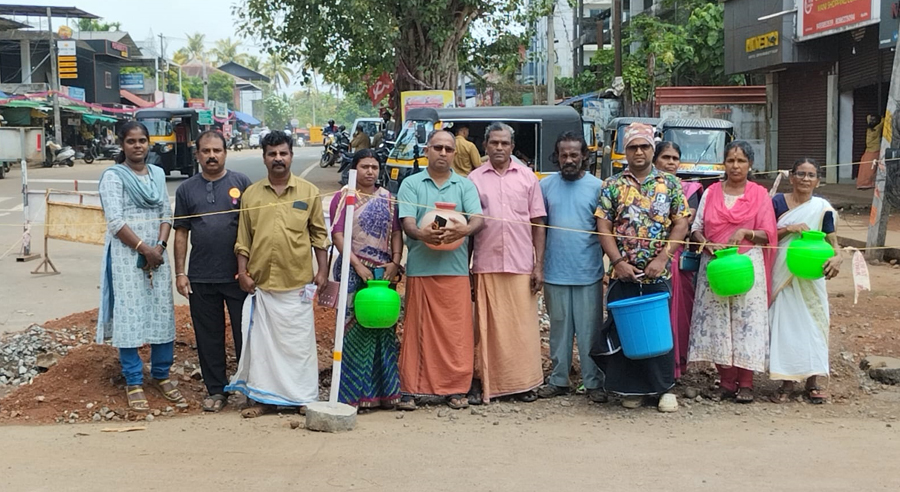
{"x":576,"y":311}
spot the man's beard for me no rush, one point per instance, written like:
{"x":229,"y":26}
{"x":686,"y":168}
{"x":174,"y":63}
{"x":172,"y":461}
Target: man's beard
{"x":570,"y":176}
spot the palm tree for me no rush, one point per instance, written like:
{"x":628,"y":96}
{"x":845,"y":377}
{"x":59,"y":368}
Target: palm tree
{"x":195,"y":46}
{"x":252,"y":62}
{"x":226,"y":51}
{"x":181,"y":56}
{"x":276,"y":69}
{"x":97,"y":25}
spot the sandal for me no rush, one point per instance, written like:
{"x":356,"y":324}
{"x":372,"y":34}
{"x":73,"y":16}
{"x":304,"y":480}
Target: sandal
{"x":781,"y":395}
{"x":136,"y":399}
{"x":170,"y":392}
{"x":407,"y":404}
{"x":817,"y":395}
{"x":475,"y":396}
{"x":257,"y":410}
{"x":527,"y":397}
{"x":214,"y":403}
{"x":744,"y":395}
{"x":457,"y":402}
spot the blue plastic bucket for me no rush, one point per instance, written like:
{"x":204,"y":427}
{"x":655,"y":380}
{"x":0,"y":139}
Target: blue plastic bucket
{"x":643,"y":325}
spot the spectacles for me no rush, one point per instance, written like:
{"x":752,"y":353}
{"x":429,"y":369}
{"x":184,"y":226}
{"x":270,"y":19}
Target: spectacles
{"x":210,"y":197}
{"x":643,"y":148}
{"x":443,"y":148}
{"x":806,"y":175}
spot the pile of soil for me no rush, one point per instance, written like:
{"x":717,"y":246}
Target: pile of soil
{"x":91,"y":375}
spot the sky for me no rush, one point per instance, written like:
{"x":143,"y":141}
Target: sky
{"x":172,"y":18}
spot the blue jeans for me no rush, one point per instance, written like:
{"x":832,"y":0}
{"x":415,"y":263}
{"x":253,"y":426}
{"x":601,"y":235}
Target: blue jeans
{"x":161,"y":357}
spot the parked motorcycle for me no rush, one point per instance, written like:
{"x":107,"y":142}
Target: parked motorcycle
{"x":237,"y":143}
{"x":55,"y":154}
{"x":335,"y":145}
{"x":100,"y":151}
{"x":381,"y":154}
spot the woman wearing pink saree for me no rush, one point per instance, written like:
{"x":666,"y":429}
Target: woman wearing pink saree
{"x":667,"y":158}
{"x":733,"y":332}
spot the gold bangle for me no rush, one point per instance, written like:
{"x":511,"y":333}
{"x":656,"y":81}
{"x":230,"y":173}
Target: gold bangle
{"x":752,"y":235}
{"x":138,"y":245}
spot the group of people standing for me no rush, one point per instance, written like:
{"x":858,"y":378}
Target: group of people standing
{"x":471,"y":332}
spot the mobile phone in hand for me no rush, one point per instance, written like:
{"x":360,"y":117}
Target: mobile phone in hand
{"x":439,"y":222}
{"x":141,"y":261}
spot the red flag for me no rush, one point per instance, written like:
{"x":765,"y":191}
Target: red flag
{"x":382,"y":87}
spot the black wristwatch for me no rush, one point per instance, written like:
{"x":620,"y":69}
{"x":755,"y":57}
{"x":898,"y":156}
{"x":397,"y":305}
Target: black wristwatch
{"x":163,"y":244}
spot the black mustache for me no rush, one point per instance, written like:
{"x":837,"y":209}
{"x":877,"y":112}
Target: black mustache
{"x":212,"y":159}
{"x":278,"y":163}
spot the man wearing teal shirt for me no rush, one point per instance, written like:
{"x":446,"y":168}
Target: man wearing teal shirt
{"x":438,"y":347}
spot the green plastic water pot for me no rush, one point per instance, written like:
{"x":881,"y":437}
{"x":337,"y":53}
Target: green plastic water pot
{"x":730,"y":273}
{"x":807,"y":254}
{"x":377,"y":305}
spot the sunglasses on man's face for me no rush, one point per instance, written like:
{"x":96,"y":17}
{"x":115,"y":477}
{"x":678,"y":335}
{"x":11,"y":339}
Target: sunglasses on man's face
{"x":443,"y":148}
{"x":643,"y":148}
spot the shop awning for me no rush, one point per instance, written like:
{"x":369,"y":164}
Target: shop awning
{"x":73,"y":108}
{"x":134,"y":99}
{"x":24,"y":103}
{"x":93,"y":118}
{"x":246,"y":118}
{"x":3,"y":95}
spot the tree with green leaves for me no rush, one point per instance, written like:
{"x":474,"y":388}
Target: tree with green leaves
{"x":97,"y":25}
{"x":278,"y":70}
{"x":278,"y":111}
{"x":181,"y":56}
{"x":253,"y":63}
{"x":418,"y":42}
{"x":196,"y":46}
{"x":227,"y":50}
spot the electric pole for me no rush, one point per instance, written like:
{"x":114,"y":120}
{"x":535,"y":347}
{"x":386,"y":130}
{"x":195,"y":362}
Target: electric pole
{"x":617,"y":35}
{"x":551,"y":57}
{"x":165,"y":68}
{"x":54,"y":80}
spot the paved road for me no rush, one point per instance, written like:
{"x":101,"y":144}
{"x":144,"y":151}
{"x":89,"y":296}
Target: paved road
{"x":26,"y":298}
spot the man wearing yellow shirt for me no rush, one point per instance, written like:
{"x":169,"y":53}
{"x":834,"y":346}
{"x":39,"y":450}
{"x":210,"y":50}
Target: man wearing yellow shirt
{"x":467,"y":157}
{"x":281,"y":221}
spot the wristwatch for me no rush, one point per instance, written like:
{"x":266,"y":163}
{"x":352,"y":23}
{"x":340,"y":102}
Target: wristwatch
{"x":163,"y":244}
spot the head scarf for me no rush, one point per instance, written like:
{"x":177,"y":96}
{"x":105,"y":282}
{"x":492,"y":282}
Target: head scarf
{"x":638,"y":131}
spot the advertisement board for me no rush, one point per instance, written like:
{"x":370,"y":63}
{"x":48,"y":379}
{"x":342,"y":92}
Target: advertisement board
{"x":888,"y":26}
{"x":66,"y":48}
{"x":76,"y":93}
{"x":822,"y":17}
{"x":131,"y":81}
{"x":426,"y":99}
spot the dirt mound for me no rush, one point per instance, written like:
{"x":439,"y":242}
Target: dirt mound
{"x":88,"y":379}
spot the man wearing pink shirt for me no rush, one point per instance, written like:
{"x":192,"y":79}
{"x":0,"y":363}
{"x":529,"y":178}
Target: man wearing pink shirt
{"x":508,"y":267}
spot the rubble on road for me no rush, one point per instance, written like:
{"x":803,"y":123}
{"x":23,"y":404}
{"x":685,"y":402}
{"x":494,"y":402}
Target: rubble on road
{"x":26,"y":354}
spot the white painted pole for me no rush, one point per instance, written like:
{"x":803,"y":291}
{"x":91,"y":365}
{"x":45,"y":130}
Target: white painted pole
{"x":26,"y":223}
{"x":345,"y":280}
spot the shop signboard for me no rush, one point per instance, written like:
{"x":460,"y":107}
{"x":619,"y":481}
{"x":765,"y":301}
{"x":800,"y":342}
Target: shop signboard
{"x":817,"y":18}
{"x":888,"y":26}
{"x":205,"y":117}
{"x":131,"y":81}
{"x":76,"y":93}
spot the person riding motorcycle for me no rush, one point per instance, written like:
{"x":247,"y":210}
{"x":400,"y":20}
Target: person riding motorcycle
{"x":330,"y":128}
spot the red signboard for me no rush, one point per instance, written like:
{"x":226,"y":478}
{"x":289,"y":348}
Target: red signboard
{"x":196,"y":103}
{"x":822,"y":16}
{"x":382,"y":87}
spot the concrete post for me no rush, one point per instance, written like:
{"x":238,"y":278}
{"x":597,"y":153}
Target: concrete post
{"x":25,"y":53}
{"x":772,"y":121}
{"x":831,"y":128}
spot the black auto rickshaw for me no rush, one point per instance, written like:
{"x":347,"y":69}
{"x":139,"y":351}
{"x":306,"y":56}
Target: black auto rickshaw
{"x":536,"y":129}
{"x":173,"y":133}
{"x":702,"y":142}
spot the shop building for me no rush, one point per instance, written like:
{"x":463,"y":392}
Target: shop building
{"x":827,"y":65}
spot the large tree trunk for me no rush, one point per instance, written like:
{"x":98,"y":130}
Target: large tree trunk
{"x":424,"y":63}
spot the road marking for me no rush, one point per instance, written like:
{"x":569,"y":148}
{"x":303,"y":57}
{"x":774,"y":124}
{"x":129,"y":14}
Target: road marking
{"x":309,"y":169}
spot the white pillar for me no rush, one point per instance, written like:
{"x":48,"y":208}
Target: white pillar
{"x":25,"y":53}
{"x":831,"y":125}
{"x":772,"y":121}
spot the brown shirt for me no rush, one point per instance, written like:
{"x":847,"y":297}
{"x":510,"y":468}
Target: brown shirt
{"x":467,"y":157}
{"x":278,"y":232}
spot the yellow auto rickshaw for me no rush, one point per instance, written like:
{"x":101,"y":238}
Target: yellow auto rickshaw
{"x":536,"y":129}
{"x":702,"y":142}
{"x":173,"y":133}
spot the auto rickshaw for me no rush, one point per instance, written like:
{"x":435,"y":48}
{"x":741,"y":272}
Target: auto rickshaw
{"x":702,"y":142}
{"x":592,"y":137}
{"x":173,"y":133}
{"x":536,"y":129}
{"x":613,"y":161}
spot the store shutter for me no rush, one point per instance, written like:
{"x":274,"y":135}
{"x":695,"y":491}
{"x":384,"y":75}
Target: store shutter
{"x":802,"y":115}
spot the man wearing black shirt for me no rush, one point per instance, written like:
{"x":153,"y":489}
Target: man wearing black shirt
{"x":211,"y":283}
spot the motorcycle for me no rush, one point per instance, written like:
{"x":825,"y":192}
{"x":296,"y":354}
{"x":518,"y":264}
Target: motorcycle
{"x":237,"y":143}
{"x":381,"y":154}
{"x":55,"y":154}
{"x":336,"y":144}
{"x":99,"y":151}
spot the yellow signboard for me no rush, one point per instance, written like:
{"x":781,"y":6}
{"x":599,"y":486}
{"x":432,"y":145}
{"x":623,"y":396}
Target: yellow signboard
{"x":68,"y":75}
{"x":68,"y":64}
{"x":67,"y":58}
{"x":68,"y":70}
{"x":761,"y":42}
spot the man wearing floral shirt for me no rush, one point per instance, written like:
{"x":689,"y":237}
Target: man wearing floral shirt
{"x":641,"y":209}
